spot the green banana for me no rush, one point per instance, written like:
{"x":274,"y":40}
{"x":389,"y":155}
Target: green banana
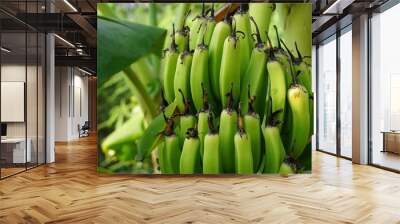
{"x":199,"y":75}
{"x":255,"y":78}
{"x":298,"y":28}
{"x":211,"y":157}
{"x":186,"y":121}
{"x":195,"y":28}
{"x":221,"y":32}
{"x":162,"y":158}
{"x":286,"y":169}
{"x":172,"y":152}
{"x":182,"y":78}
{"x":303,"y":71}
{"x":276,"y":75}
{"x":274,"y":149}
{"x":207,"y":28}
{"x":300,"y":65}
{"x":252,"y":128}
{"x":283,"y":57}
{"x":243,"y":154}
{"x":261,"y":12}
{"x":169,"y":67}
{"x":182,"y":35}
{"x":278,"y":19}
{"x":298,"y":99}
{"x":202,"y":124}
{"x":227,"y":130}
{"x":242,"y":23}
{"x":230,"y":69}
{"x":190,"y":162}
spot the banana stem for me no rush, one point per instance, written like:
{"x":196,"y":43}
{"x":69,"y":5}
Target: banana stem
{"x":143,"y":97}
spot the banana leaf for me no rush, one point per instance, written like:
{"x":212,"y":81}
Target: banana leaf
{"x":128,"y":132}
{"x":121,"y":43}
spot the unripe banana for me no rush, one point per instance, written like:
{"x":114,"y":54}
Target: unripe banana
{"x":278,"y":19}
{"x":182,"y":78}
{"x":227,"y":130}
{"x":195,"y":28}
{"x":230,"y":69}
{"x":199,"y":75}
{"x":261,"y":12}
{"x":298,"y":99}
{"x":186,"y":121}
{"x":202,"y":124}
{"x":190,"y":162}
{"x":162,"y":158}
{"x":276,"y":75}
{"x":242,"y":23}
{"x":274,"y":150}
{"x":171,"y":152}
{"x":298,"y":29}
{"x":181,"y":38}
{"x":211,"y":157}
{"x":221,"y":32}
{"x":253,"y":130}
{"x":182,"y":33}
{"x":169,"y":67}
{"x":255,"y":77}
{"x":207,"y":29}
{"x":286,"y":169}
{"x":243,"y":153}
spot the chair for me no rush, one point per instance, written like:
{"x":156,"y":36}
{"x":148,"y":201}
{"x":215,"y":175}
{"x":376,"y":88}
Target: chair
{"x":84,"y":129}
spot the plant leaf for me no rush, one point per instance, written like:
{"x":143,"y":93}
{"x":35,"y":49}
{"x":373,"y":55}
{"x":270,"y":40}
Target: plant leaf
{"x":121,"y":43}
{"x":128,"y":132}
{"x":151,"y":137}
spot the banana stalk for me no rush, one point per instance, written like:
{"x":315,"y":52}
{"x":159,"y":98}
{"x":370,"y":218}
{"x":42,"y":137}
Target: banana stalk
{"x":190,"y":162}
{"x":227,"y":130}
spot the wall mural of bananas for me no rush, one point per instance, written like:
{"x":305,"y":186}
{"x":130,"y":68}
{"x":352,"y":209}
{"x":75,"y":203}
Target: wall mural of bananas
{"x":230,"y":88}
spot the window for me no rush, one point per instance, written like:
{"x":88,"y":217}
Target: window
{"x":346,"y":92}
{"x":385,"y":89}
{"x":327,"y":96}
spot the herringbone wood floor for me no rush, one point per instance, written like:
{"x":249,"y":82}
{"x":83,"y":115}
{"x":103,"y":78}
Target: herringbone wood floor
{"x":70,"y":191}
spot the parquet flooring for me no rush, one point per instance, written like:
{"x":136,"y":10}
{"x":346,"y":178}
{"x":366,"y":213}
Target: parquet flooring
{"x":70,"y":191}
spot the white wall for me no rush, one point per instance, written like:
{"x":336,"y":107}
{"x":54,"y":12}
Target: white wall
{"x":71,"y":102}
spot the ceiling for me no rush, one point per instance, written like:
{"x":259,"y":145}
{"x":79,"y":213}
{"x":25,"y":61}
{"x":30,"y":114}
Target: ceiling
{"x":75,"y":22}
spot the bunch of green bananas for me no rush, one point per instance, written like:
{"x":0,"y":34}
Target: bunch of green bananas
{"x":244,"y":99}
